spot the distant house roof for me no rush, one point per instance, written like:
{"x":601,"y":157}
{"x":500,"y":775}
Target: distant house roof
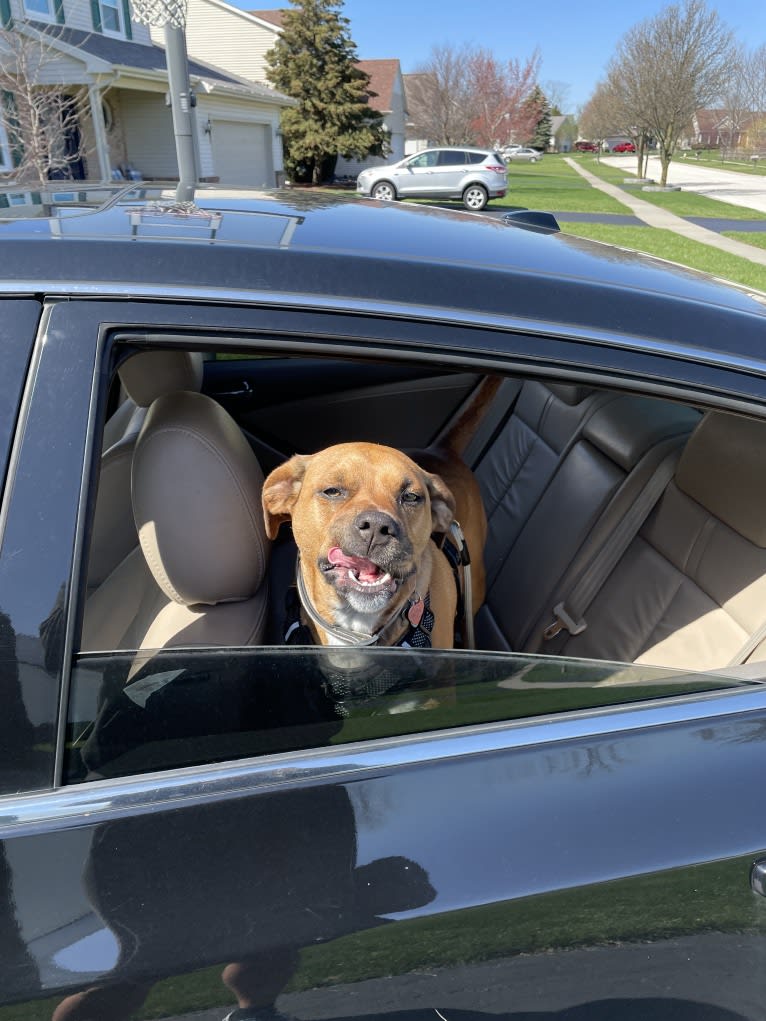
{"x":274,"y":17}
{"x":383,"y":74}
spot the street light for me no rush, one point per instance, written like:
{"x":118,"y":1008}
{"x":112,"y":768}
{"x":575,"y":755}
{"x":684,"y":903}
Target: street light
{"x":170,"y":15}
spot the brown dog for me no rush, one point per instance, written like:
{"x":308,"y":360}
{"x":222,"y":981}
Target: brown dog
{"x":363,"y":516}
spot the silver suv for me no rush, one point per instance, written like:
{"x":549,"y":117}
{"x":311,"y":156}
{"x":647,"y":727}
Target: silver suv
{"x":473,"y":175}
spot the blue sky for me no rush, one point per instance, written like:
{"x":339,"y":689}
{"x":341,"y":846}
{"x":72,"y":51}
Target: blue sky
{"x":575,"y":37}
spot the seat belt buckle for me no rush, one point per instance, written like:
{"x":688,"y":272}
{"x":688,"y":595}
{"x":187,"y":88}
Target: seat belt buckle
{"x":562,"y":621}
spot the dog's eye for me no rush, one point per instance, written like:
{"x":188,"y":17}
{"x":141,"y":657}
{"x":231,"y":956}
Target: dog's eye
{"x":411,"y":498}
{"x":333,"y":493}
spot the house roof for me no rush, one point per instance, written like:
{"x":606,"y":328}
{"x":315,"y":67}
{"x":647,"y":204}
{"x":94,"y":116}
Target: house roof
{"x":383,"y":74}
{"x":151,"y":58}
{"x":273,"y":17}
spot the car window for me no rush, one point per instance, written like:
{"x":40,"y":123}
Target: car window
{"x":476,"y":157}
{"x":424,"y":159}
{"x":133,"y":713}
{"x":175,"y":668}
{"x":18,"y":320}
{"x":453,"y":158}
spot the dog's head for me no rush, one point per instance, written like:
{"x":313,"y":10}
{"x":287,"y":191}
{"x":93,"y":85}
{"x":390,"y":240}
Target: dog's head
{"x":362,"y":517}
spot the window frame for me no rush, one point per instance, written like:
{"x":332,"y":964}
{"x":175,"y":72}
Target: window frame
{"x":105,"y":8}
{"x":36,"y":15}
{"x":6,"y":153}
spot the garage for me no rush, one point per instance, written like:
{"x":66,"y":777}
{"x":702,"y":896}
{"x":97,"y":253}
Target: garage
{"x":242,"y":153}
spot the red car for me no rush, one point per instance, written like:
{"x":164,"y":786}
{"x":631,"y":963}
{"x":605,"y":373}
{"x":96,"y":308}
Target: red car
{"x":586,"y":146}
{"x":624,"y":147}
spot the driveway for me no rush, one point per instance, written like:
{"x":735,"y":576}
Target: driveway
{"x":746,"y":190}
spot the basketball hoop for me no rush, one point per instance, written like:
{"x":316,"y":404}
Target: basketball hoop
{"x":158,"y":13}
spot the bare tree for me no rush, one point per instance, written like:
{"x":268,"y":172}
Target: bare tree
{"x":557,"y":93}
{"x":754,"y":73}
{"x":42,"y":114}
{"x":439,"y":97}
{"x":685,"y":56}
{"x":597,"y":118}
{"x":500,"y":95}
{"x":736,"y":107}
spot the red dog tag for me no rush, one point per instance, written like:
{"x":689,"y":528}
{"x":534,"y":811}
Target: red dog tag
{"x":415,"y":612}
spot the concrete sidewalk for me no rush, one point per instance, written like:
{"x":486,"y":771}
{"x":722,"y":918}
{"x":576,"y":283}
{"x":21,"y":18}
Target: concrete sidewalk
{"x":657,"y":217}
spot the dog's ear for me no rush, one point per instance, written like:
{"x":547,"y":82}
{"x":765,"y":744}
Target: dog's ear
{"x":280,"y":492}
{"x":442,"y":503}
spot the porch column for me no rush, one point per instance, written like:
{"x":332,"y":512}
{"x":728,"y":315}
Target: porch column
{"x":102,"y":146}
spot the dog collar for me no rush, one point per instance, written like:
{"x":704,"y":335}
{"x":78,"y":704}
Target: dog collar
{"x":417,"y":612}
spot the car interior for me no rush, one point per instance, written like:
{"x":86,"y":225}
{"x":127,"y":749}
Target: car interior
{"x":621,"y":527}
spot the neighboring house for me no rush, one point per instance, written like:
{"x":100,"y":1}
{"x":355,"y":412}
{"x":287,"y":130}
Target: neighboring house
{"x":714,"y":129}
{"x":563,"y":132}
{"x":128,"y":123}
{"x":415,"y":137}
{"x":239,"y":40}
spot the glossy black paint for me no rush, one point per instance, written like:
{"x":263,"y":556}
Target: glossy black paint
{"x":577,"y":867}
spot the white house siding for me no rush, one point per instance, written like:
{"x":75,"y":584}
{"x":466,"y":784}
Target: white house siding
{"x":394,"y":121}
{"x":148,"y":130}
{"x":77,"y":15}
{"x":228,"y":38}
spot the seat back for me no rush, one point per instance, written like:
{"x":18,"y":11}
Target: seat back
{"x":198,"y":576}
{"x":144,"y":377}
{"x":690,"y":590}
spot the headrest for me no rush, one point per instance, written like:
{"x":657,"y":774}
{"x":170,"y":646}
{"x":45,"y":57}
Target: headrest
{"x":197,"y":502}
{"x":150,"y":374}
{"x":570,"y":393}
{"x":722,"y":468}
{"x":626,"y":428}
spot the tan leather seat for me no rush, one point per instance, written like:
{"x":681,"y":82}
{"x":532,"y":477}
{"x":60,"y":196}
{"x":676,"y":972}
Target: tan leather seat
{"x":198,"y":576}
{"x":690,"y":590}
{"x":144,"y":377}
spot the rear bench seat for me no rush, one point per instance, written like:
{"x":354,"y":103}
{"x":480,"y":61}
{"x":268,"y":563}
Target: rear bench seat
{"x":690,"y":589}
{"x":563,"y":458}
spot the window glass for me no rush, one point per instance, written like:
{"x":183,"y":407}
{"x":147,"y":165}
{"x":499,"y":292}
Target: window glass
{"x":39,"y":8}
{"x":111,"y":19}
{"x":6,"y":163}
{"x":476,"y":157}
{"x":424,"y":159}
{"x":132,"y":713}
{"x":451,"y":158}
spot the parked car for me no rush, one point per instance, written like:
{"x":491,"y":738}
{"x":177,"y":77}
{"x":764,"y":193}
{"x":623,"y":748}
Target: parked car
{"x":473,"y":175}
{"x":506,"y":151}
{"x":585,"y":146}
{"x":624,"y":147}
{"x":199,"y":818}
{"x":524,"y":154}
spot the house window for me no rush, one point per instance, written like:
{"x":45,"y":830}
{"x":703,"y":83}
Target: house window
{"x":40,"y":9}
{"x":6,"y":163}
{"x":111,"y":16}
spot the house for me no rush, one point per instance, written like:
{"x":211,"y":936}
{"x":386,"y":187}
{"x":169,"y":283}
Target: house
{"x":563,"y":132}
{"x":719,"y":129}
{"x":98,"y":49}
{"x":225,"y":36}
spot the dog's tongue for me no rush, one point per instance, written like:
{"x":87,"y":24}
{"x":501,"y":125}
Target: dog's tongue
{"x":364,"y":569}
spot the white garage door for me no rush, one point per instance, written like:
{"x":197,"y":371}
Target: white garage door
{"x":242,"y":154}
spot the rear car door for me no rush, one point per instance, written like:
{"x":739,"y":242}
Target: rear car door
{"x":490,"y":835}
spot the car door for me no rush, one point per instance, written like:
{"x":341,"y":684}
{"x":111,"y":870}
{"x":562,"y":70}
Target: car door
{"x":456,"y":835}
{"x":419,"y":175}
{"x":452,"y":166}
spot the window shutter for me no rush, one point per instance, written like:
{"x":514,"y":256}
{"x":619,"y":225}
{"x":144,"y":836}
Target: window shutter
{"x":95,"y":13}
{"x":5,"y":13}
{"x":59,"y":9}
{"x":126,"y":19}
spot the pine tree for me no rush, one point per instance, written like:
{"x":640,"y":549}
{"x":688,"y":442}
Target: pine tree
{"x":544,"y":125}
{"x":314,"y":62}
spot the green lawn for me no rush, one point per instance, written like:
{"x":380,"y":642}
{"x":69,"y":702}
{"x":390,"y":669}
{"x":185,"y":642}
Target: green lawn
{"x":666,"y":245}
{"x":553,"y":185}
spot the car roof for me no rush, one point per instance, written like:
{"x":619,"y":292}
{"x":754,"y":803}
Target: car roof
{"x":308,"y":242}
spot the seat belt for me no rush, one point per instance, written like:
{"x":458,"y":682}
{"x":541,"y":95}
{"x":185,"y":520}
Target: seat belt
{"x":569,"y":614}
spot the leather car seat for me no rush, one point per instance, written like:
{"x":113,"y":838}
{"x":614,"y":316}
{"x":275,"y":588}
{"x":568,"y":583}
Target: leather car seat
{"x":144,"y":377}
{"x":198,"y":576}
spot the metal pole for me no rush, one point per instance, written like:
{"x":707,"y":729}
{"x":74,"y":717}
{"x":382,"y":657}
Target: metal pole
{"x":180,"y":104}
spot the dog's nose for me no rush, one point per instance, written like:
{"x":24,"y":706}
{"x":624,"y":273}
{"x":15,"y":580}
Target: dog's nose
{"x":376,"y":528}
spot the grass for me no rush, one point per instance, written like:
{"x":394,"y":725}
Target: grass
{"x":665,"y":244}
{"x":553,"y":185}
{"x":749,"y":237}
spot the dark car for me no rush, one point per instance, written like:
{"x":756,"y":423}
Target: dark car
{"x":201,"y":819}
